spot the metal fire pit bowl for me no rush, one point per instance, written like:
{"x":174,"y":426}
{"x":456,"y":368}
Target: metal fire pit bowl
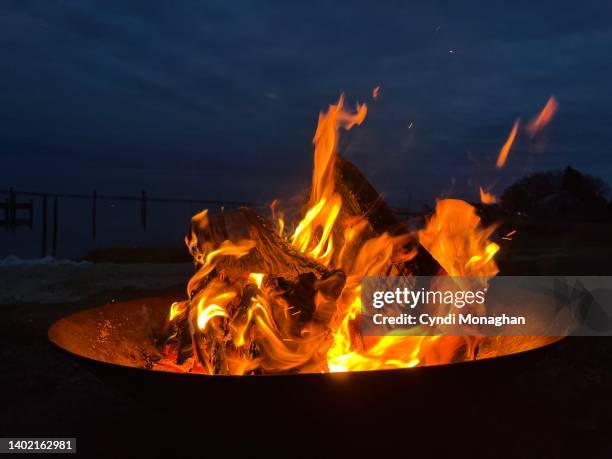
{"x":115,"y":341}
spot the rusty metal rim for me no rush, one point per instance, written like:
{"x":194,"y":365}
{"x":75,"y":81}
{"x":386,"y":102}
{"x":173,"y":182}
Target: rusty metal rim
{"x":53,"y":330}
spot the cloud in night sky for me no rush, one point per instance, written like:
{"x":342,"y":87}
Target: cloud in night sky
{"x":220,"y":99}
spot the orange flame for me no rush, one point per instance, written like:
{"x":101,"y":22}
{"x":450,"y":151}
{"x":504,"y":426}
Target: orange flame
{"x":278,"y":217}
{"x":486,"y":197}
{"x":207,"y":313}
{"x":454,"y":236}
{"x":313,"y":234}
{"x":375,"y":92}
{"x":544,"y":117}
{"x":503,"y":153}
{"x":209,"y":260}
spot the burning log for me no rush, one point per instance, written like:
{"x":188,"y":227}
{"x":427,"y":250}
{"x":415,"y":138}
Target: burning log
{"x":266,"y":302}
{"x":360,"y":200}
{"x":270,"y":254}
{"x":302,"y":291}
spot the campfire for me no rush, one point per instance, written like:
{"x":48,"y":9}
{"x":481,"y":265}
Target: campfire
{"x":274,"y":296}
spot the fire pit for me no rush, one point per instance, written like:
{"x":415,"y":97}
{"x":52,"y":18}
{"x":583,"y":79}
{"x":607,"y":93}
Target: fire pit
{"x":271,"y":301}
{"x":300,"y":412}
{"x":118,"y":343}
{"x":126,"y":334}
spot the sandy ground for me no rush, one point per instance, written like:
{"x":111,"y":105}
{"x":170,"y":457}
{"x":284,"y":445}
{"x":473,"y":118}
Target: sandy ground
{"x":46,"y":393}
{"x":71,"y":282}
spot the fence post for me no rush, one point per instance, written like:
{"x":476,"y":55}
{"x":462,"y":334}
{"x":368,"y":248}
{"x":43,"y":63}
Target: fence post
{"x":12,"y":211}
{"x":31,"y":216}
{"x":7,"y":215}
{"x":94,"y":198}
{"x":54,"y":247}
{"x":44,"y":227}
{"x":143,"y":210}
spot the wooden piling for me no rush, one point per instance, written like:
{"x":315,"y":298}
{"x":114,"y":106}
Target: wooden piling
{"x":7,"y":214}
{"x":143,"y":210}
{"x":44,"y":227}
{"x":12,"y":211}
{"x":94,"y":199}
{"x":31,"y":215}
{"x":54,"y":246}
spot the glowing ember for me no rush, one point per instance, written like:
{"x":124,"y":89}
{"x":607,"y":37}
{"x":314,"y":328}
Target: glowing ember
{"x":503,"y":153}
{"x":266,"y":302}
{"x":544,"y":117}
{"x":508,"y":236}
{"x":486,"y":197}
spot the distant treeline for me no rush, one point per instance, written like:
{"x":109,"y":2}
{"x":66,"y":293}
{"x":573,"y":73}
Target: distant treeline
{"x":565,"y":193}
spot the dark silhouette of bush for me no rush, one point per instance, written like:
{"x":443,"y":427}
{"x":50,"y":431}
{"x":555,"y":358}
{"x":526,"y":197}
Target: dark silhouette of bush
{"x":559,"y":194}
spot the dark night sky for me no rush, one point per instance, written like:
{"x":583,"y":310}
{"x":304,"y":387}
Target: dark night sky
{"x":220,"y":99}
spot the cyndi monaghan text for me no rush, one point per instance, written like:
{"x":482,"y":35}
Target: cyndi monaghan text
{"x":449,"y":319}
